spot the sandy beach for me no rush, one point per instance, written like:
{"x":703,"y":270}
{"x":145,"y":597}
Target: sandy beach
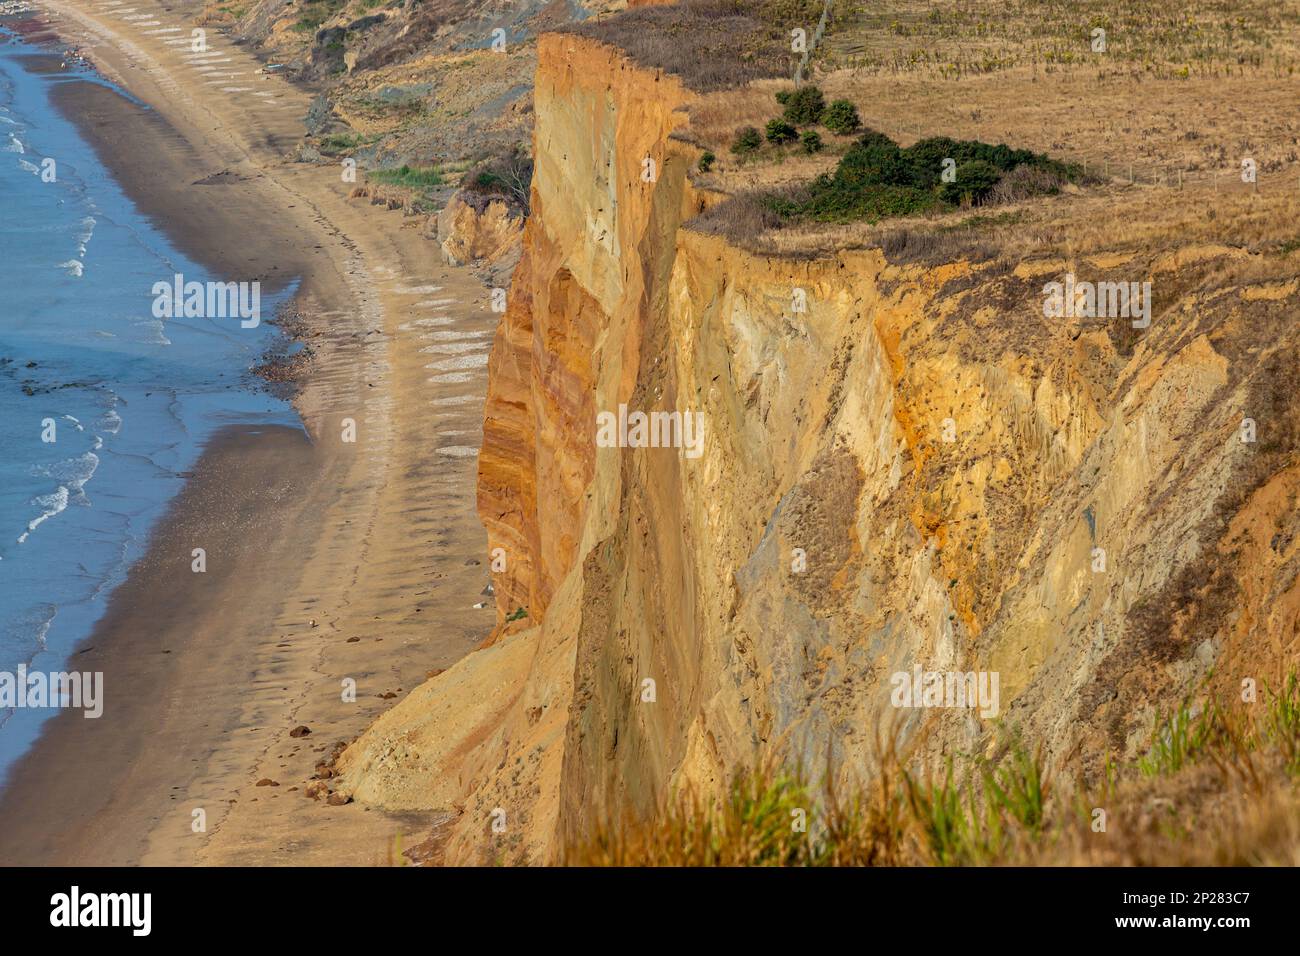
{"x":328,"y":560}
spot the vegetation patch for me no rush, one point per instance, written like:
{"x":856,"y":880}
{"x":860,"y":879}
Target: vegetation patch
{"x":507,"y":175}
{"x":748,"y":140}
{"x":877,"y":179}
{"x":412,"y":177}
{"x":1218,"y":785}
{"x":315,"y":13}
{"x":802,"y":106}
{"x":338,"y":143}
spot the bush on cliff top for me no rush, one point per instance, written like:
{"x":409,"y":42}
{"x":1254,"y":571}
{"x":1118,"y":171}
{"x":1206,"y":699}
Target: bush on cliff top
{"x":841,"y":118}
{"x":748,"y":140}
{"x":779,"y":131}
{"x":803,"y":106}
{"x":877,"y":179}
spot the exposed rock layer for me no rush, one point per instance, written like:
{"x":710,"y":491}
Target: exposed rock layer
{"x":916,"y":468}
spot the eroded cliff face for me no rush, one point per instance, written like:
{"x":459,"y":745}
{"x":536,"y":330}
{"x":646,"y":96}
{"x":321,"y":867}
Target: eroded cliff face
{"x":903,"y":466}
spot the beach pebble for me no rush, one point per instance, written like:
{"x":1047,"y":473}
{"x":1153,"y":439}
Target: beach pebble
{"x":300,"y":731}
{"x":338,"y":799}
{"x":267,"y":782}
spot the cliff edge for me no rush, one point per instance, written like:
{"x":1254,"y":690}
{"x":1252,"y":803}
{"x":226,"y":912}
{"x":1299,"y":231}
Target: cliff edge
{"x":906,"y":464}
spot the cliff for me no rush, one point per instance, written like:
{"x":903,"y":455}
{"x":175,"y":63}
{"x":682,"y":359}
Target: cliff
{"x":905,"y":464}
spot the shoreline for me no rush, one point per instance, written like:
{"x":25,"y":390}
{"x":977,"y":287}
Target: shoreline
{"x":336,"y":554}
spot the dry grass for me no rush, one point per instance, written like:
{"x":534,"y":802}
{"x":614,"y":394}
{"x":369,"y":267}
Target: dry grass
{"x":1178,"y":101}
{"x":710,"y":44}
{"x":1102,"y":220}
{"x":1073,"y":227}
{"x":956,"y":38}
{"x":1123,"y":126}
{"x":1218,"y":786}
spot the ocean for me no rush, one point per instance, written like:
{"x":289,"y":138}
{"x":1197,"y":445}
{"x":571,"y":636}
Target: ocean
{"x":104,"y":405}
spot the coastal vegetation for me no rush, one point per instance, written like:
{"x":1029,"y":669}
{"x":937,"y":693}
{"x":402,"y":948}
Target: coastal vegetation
{"x":877,"y":179}
{"x":804,"y":107}
{"x":1218,"y":784}
{"x":412,"y":177}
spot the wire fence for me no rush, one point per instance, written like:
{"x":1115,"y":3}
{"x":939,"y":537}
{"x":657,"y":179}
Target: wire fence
{"x":818,"y":33}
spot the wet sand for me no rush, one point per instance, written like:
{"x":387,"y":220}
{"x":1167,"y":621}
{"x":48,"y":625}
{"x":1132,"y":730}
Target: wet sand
{"x":328,"y":560}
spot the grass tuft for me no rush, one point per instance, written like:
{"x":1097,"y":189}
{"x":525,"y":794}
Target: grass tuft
{"x":1215,"y":786}
{"x":413,"y":177}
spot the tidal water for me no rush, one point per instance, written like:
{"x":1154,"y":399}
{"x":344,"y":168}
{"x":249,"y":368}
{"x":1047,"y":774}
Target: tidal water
{"x":103,"y":407}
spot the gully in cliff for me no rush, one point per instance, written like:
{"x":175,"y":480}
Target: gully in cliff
{"x":684,"y":430}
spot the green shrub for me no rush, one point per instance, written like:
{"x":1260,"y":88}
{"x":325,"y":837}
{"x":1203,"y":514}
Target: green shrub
{"x":877,"y":179}
{"x":841,"y":117}
{"x":926,"y":158}
{"x":805,"y":106}
{"x":748,"y":140}
{"x":975,"y":180}
{"x":783,"y":96}
{"x":874,"y":159}
{"x":707,"y":160}
{"x":870,"y":203}
{"x":927,"y":155}
{"x":779,"y":131}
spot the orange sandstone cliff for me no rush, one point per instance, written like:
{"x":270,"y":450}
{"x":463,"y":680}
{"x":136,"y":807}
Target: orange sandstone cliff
{"x":905,"y":464}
